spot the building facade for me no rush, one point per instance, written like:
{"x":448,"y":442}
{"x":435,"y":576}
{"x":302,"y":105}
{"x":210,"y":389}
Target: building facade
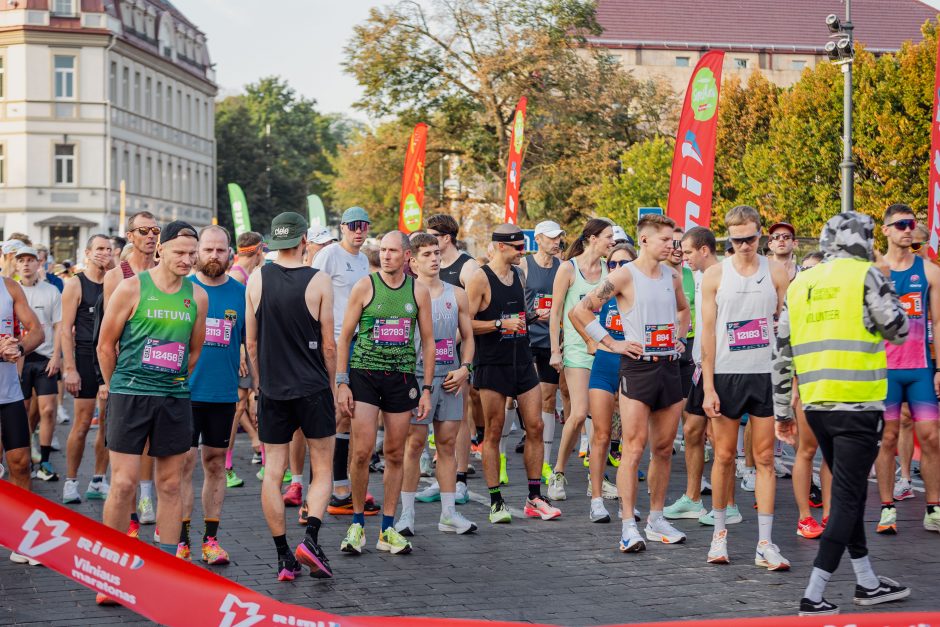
{"x":94,"y":93}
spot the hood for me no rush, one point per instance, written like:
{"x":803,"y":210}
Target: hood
{"x":849,"y":235}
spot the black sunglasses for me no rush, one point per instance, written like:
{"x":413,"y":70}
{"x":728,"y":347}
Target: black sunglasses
{"x":907,"y":224}
{"x":358,"y":225}
{"x":613,"y":265}
{"x":916,"y":246}
{"x":520,"y":246}
{"x":677,"y":244}
{"x":750,"y":239}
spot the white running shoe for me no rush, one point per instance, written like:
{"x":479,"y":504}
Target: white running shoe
{"x":70,"y":494}
{"x":599,"y":513}
{"x":462,"y":495}
{"x":55,"y":444}
{"x":705,"y":487}
{"x":145,"y":511}
{"x":632,"y":542}
{"x":768,"y":556}
{"x":35,"y":453}
{"x":608,"y":490}
{"x":556,"y":487}
{"x":17,"y":558}
{"x":662,"y":531}
{"x":583,"y":446}
{"x":749,"y":482}
{"x":425,"y":464}
{"x":97,"y":490}
{"x":62,"y":416}
{"x":406,"y":522}
{"x":718,"y":553}
{"x":739,"y":467}
{"x":780,"y":469}
{"x":903,"y":489}
{"x":454,"y":522}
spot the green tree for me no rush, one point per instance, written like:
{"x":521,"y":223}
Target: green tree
{"x":643,"y":182}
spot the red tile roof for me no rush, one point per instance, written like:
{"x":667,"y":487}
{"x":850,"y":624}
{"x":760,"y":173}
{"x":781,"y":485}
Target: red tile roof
{"x":881,"y":25}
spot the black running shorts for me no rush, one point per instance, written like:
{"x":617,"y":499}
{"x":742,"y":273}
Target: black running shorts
{"x":132,"y":419}
{"x":14,"y":426}
{"x":392,"y":392}
{"x":686,"y":368}
{"x":85,"y":361}
{"x":212,"y":421}
{"x":695,"y":398}
{"x":278,"y":419}
{"x":740,"y":394}
{"x":505,"y":379}
{"x":34,"y":377}
{"x":547,"y":374}
{"x":656,"y":384}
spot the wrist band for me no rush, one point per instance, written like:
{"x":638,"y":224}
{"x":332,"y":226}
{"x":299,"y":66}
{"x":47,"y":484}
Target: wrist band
{"x":596,"y":331}
{"x":342,"y":377}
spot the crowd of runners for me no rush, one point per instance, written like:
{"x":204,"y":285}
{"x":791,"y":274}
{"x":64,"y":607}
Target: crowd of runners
{"x":338,"y":358}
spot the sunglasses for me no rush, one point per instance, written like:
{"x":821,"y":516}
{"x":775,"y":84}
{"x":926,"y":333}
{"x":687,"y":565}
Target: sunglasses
{"x":519,"y":247}
{"x":145,"y":230}
{"x":781,"y":237}
{"x":749,"y":240}
{"x":613,"y":265}
{"x":677,"y":244}
{"x":907,"y":224}
{"x":916,"y":246}
{"x":358,"y":225}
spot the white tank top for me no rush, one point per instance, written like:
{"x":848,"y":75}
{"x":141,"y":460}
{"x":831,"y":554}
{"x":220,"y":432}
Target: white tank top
{"x":652,"y":320}
{"x":744,"y":327}
{"x":10,"y":390}
{"x":697,"y":344}
{"x":445,"y":321}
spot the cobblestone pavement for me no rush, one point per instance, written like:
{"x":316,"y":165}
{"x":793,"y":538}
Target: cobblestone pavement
{"x":565,"y":572}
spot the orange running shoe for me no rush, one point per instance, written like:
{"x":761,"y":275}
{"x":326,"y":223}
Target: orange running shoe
{"x":809,"y":528}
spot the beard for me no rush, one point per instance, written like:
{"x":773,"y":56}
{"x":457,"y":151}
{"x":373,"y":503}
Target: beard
{"x":212,"y":269}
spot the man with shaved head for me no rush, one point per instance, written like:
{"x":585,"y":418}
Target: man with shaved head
{"x":387,"y":307}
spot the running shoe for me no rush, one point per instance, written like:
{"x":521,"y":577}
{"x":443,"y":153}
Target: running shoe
{"x":556,"y":487}
{"x":815,"y":496}
{"x":156,"y":535}
{"x":430,"y":494}
{"x":454,"y":522}
{"x":260,"y":474}
{"x":540,"y":507}
{"x":393,"y":542}
{"x":476,"y":451}
{"x":213,"y":554}
{"x":54,"y":443}
{"x":599,"y":513}
{"x":887,"y":590}
{"x":471,"y":470}
{"x":406,"y":522}
{"x":749,"y":482}
{"x":104,"y":600}
{"x":232,"y":480}
{"x":377,"y":464}
{"x":822,"y":608}
{"x":371,"y":507}
{"x":932,"y":520}
{"x":640,"y":475}
{"x":780,"y":469}
{"x":903,"y":489}
{"x":35,"y":453}
{"x":740,"y":466}
{"x":46,"y":472}
{"x":825,"y":521}
{"x":294,"y":495}
{"x":462,"y":495}
{"x":97,"y":490}
{"x":661,"y":531}
{"x":888,"y":524}
{"x":608,"y":489}
{"x":520,"y":448}
{"x":678,"y":445}
{"x":546,"y":472}
{"x":145,"y":511}
{"x":354,"y":541}
{"x":431,"y":443}
{"x":18,"y":558}
{"x":133,"y":530}
{"x":62,"y":416}
{"x":503,"y":475}
{"x":583,"y":446}
{"x":70,"y":493}
{"x":684,"y":507}
{"x":809,"y":528}
{"x":342,"y":505}
{"x":424,"y":464}
{"x":633,"y":542}
{"x":311,"y":555}
{"x":586,"y":462}
{"x":95,"y":423}
{"x":256,"y":458}
{"x":768,"y":556}
{"x":709,"y":453}
{"x":732,"y":517}
{"x":613,"y":459}
{"x":705,"y":487}
{"x":287,"y":476}
{"x":183,"y":551}
{"x":499,"y":513}
{"x":287,"y":567}
{"x":718,"y":552}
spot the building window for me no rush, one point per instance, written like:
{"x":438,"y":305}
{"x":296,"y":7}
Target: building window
{"x":137,"y":96}
{"x":169,"y":104}
{"x":3,"y":76}
{"x":148,"y":178}
{"x":63,"y":8}
{"x":797,"y":64}
{"x":682,"y":61}
{"x":64,"y":77}
{"x":112,"y":82}
{"x":3,"y":163}
{"x":740,"y":64}
{"x":115,"y":182}
{"x":126,"y":88}
{"x":148,"y":96}
{"x":159,"y":115}
{"x":64,"y":164}
{"x":179,"y":107}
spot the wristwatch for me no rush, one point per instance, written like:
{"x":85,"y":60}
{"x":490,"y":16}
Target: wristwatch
{"x":427,"y":388}
{"x":499,"y":324}
{"x":467,"y":365}
{"x":20,"y":348}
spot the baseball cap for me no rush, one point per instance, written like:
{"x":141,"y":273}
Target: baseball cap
{"x":320,"y":235}
{"x":549,"y":228}
{"x":12,"y":246}
{"x":354,"y":214}
{"x":26,"y":250}
{"x":783,"y":225}
{"x":175,"y":229}
{"x":287,"y":229}
{"x":621,"y":236}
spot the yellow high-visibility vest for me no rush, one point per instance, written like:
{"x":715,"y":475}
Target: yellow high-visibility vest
{"x":834,"y":355}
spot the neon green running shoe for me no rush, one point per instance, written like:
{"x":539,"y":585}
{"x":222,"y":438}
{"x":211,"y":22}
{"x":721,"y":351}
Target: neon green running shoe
{"x":499,"y":514}
{"x":503,"y":475}
{"x":431,"y":441}
{"x":587,"y":461}
{"x":232,"y":480}
{"x":393,"y":542}
{"x":547,"y":472}
{"x":287,"y":476}
{"x":354,"y":541}
{"x":260,"y":474}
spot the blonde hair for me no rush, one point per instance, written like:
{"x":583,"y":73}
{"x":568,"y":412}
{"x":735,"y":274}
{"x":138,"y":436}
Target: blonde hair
{"x":742,"y":214}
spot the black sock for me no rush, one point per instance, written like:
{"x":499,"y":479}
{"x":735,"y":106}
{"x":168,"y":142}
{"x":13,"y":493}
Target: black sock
{"x":932,"y":507}
{"x":313,"y":528}
{"x":184,"y":533}
{"x":212,"y":529}
{"x":461,"y":476}
{"x":886,"y":505}
{"x":480,"y":433}
{"x":615,"y":446}
{"x":281,"y":543}
{"x":495,"y":496}
{"x":134,"y":517}
{"x":535,"y":488}
{"x":341,"y":458}
{"x":44,"y":452}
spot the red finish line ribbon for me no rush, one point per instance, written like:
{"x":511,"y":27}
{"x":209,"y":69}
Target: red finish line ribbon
{"x":175,"y":592}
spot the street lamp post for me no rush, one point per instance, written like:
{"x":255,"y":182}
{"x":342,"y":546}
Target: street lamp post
{"x":842,"y":52}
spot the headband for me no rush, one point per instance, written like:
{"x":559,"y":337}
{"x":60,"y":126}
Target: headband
{"x":250,"y":250}
{"x":509,"y":237}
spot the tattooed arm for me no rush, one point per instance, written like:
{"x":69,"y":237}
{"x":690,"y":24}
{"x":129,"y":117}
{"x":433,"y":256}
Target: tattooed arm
{"x":581,"y":315}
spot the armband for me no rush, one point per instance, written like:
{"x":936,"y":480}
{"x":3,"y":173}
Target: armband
{"x":596,"y":331}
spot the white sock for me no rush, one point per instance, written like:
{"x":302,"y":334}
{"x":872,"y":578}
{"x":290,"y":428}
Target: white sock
{"x":817,"y":585}
{"x":628,"y":524}
{"x":448,"y":502}
{"x":778,"y":448}
{"x":864,"y":574}
{"x":407,"y":501}
{"x":146,"y":489}
{"x":719,"y":518}
{"x":765,"y":526}
{"x":655,"y":516}
{"x":548,"y":435}
{"x":597,"y":503}
{"x":741,"y":440}
{"x":298,"y":479}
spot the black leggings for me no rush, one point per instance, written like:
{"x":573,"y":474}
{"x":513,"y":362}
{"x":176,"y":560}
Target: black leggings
{"x":849,"y":444}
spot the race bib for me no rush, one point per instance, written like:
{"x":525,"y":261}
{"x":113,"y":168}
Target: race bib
{"x":391,"y":331}
{"x":613,"y":321}
{"x":522,"y":331}
{"x":660,"y":338}
{"x":6,"y":327}
{"x":444,"y":352}
{"x":748,"y":334}
{"x":913,"y":304}
{"x":163,"y":356}
{"x":543,"y":301}
{"x":218,"y":332}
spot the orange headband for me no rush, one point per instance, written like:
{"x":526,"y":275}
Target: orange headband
{"x":250,"y":250}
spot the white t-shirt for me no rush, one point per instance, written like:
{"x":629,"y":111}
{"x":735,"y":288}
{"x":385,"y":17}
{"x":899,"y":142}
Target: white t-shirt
{"x":46,"y":301}
{"x":345,"y":269}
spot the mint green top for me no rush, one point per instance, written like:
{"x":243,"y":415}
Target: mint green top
{"x":688,"y":286}
{"x":574,"y":350}
{"x":154,"y":347}
{"x":387,"y":329}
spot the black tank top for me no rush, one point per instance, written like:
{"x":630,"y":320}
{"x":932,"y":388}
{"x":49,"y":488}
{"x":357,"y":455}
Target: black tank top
{"x":87,"y":308}
{"x":506,"y":301}
{"x":290,"y":353}
{"x":451,"y":274}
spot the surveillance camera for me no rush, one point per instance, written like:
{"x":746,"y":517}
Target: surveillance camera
{"x":844,"y":48}
{"x":831,"y":51}
{"x":832,"y":22}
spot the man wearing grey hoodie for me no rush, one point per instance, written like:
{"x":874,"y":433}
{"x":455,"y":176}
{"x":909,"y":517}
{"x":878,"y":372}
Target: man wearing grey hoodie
{"x":831,"y":337}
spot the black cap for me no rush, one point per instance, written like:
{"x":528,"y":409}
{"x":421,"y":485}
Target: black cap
{"x":287,"y":229}
{"x":177,"y":228}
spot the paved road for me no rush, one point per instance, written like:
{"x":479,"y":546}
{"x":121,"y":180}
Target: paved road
{"x":565,"y":572}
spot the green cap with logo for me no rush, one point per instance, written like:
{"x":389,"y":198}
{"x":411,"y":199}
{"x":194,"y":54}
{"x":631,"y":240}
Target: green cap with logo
{"x":287,"y":229}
